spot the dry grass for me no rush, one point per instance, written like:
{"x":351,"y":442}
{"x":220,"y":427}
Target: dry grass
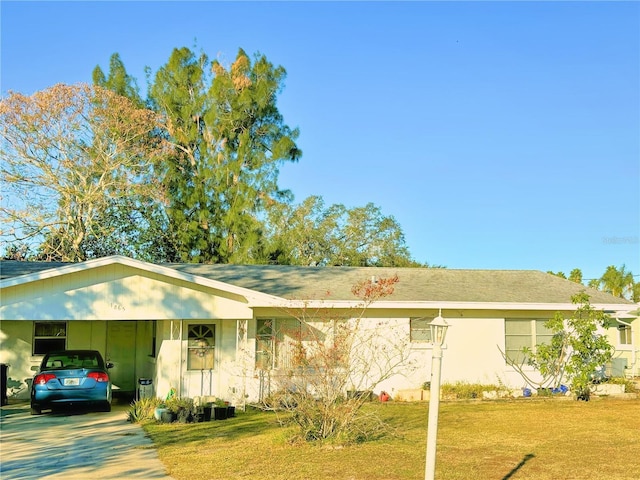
{"x":540,"y":439}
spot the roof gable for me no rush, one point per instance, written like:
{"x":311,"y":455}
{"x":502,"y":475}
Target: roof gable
{"x":14,"y":274}
{"x":115,"y":292}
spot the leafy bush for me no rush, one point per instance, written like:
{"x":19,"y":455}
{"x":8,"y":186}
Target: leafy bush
{"x":183,"y":407}
{"x":142,"y":409}
{"x":463,"y":390}
{"x":578,"y":348}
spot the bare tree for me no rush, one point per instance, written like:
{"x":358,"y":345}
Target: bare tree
{"x":327,"y":365}
{"x":71,"y":154}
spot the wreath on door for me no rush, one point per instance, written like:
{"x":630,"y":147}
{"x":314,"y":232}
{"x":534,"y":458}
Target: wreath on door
{"x":200,"y":338}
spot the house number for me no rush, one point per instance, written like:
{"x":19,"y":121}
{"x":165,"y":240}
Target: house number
{"x":117,"y":306}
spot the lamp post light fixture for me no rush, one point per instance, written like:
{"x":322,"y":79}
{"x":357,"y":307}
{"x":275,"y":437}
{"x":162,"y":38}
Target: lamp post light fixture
{"x":438,"y":328}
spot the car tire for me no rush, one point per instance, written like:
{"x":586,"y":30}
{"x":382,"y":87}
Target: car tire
{"x":106,"y":407}
{"x":36,"y":411}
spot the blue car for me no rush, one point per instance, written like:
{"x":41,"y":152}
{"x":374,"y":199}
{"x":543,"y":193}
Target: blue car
{"x":71,"y":378}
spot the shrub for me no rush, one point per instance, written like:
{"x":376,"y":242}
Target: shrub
{"x":463,"y":390}
{"x":332,"y":366}
{"x":142,"y":409}
{"x":577,"y":348}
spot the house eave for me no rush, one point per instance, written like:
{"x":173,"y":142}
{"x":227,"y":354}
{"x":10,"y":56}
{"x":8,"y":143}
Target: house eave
{"x":618,"y":309}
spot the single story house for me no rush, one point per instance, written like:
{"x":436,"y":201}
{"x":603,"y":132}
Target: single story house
{"x":221,"y":330}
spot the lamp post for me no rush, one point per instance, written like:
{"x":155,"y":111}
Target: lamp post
{"x":438,"y":332}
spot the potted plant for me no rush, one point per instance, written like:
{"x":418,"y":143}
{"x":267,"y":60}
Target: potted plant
{"x":159,"y":410}
{"x":181,"y":408}
{"x":220,"y":409}
{"x":198,"y":415}
{"x":207,"y":411}
{"x":168,"y":416}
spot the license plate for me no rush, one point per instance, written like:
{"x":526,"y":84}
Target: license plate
{"x":69,"y":382}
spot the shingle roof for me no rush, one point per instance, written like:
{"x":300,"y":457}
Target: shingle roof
{"x":415,"y":284}
{"x":12,"y":268}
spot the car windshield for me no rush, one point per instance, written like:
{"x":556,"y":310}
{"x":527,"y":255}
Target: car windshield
{"x":72,"y":360}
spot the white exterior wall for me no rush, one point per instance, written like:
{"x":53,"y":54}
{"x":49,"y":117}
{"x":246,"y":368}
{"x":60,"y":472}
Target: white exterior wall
{"x":224,"y":381}
{"x":15,"y":350}
{"x":167,"y":364}
{"x":470,"y":354}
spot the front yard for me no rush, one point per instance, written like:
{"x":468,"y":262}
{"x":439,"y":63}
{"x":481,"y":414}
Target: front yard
{"x":540,"y":439}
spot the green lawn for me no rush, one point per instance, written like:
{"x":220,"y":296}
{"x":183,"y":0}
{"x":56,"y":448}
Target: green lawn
{"x":539,"y":439}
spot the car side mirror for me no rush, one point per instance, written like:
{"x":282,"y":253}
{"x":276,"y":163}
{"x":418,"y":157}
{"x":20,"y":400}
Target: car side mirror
{"x":109,"y":365}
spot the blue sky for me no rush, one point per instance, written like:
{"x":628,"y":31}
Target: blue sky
{"x":501,"y":135}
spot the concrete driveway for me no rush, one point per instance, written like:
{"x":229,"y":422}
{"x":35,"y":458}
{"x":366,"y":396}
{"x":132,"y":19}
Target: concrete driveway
{"x":88,"y":445}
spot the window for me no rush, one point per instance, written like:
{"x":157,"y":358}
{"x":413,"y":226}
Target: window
{"x":278,"y":341}
{"x":624,"y":334}
{"x":49,"y":337}
{"x":521,"y":333}
{"x":265,"y":344}
{"x":200,"y":347}
{"x":419,"y":330}
{"x":75,"y":360}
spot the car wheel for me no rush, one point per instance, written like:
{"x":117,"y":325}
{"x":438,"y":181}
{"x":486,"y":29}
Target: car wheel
{"x":36,"y":411}
{"x":106,"y":407}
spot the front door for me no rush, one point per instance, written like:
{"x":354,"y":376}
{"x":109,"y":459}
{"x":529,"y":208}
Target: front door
{"x":199,"y":360}
{"x":121,"y":351}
